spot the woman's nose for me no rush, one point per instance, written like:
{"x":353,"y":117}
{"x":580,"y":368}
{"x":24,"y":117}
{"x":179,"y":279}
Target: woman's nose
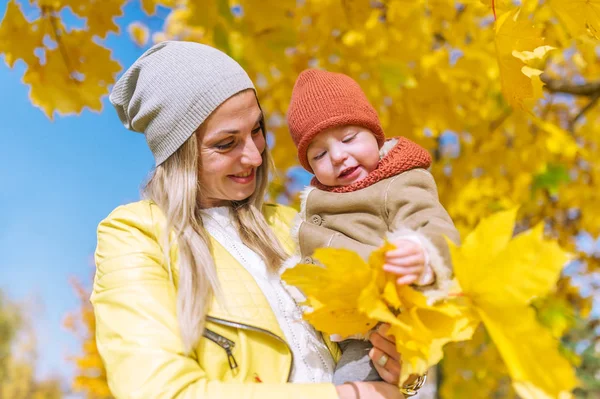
{"x":252,"y":154}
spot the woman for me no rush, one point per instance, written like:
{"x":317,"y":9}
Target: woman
{"x":187,"y":295}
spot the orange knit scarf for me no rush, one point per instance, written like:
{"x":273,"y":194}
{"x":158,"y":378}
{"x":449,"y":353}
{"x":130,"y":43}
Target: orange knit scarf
{"x":405,"y":155}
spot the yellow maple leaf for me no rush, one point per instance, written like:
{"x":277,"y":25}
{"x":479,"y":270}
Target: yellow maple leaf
{"x":422,"y":330}
{"x":514,"y":34}
{"x":149,"y":6}
{"x":100,"y":15}
{"x":333,"y":291}
{"x":30,"y":36}
{"x":500,"y":285}
{"x":578,"y":16}
{"x":530,"y":352}
{"x":500,"y":6}
{"x":68,"y":84}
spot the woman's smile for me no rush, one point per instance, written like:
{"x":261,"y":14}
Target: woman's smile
{"x":244,"y":178}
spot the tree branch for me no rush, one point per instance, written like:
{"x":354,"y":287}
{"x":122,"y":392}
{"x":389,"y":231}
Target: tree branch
{"x":585,"y":109}
{"x":495,"y":124}
{"x":589,"y":89}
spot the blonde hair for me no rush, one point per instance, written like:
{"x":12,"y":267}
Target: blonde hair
{"x":174,"y":186}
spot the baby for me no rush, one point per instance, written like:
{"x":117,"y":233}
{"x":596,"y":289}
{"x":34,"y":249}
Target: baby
{"x":365,"y":189}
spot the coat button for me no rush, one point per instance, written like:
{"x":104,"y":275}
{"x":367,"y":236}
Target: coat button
{"x":307,"y":259}
{"x":316,"y":219}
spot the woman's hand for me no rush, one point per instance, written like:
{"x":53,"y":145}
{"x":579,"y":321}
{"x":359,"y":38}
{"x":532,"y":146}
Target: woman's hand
{"x":384,"y":355}
{"x":369,"y":390}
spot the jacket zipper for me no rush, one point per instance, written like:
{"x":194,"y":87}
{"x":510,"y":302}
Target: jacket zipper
{"x":224,"y":343}
{"x":251,"y":328}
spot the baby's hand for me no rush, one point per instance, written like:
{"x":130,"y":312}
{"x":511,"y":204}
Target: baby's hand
{"x":408,"y":261}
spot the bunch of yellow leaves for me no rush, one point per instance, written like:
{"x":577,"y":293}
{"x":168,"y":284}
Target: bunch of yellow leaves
{"x":498,"y":277}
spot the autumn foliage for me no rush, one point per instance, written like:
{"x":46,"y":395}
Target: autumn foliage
{"x":496,"y":279}
{"x":90,"y":378}
{"x":18,"y":356}
{"x":503,"y":94}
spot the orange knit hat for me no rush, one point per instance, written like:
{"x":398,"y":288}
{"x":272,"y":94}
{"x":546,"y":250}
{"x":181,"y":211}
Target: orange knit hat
{"x":321,"y":100}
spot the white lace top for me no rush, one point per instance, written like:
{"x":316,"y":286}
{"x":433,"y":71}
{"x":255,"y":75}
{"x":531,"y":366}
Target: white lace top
{"x":312,"y":360}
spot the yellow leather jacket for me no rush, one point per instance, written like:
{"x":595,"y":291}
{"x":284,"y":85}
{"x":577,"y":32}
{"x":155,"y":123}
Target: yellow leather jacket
{"x":243,"y":353}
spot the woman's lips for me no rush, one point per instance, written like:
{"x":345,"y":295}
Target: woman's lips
{"x":243,"y":179}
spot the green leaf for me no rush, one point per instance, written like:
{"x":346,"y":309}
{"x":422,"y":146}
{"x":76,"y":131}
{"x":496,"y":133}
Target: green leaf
{"x":551,"y":179}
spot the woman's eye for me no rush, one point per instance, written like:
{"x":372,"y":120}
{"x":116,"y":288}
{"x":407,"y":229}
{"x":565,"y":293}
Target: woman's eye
{"x":224,"y":146}
{"x":256,"y":130}
{"x":319,"y":155}
{"x":349,"y":139}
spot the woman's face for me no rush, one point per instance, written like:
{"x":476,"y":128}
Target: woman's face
{"x":231,"y":144}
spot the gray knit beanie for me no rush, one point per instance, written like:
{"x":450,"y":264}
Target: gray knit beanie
{"x":172,"y":88}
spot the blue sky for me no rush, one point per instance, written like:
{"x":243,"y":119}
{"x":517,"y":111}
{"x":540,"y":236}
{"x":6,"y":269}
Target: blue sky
{"x":59,"y":179}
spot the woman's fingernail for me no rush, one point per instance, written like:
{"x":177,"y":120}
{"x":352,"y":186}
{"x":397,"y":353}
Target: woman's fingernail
{"x":371,"y":352}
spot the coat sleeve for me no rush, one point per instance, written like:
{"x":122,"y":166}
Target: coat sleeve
{"x":413,"y":210}
{"x":137,"y":331}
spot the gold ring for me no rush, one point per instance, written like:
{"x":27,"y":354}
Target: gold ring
{"x":383,"y":360}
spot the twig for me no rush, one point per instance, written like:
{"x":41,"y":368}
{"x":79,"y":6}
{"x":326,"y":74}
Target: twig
{"x":496,"y":123}
{"x":585,"y":109}
{"x":58,"y":37}
{"x":589,"y":89}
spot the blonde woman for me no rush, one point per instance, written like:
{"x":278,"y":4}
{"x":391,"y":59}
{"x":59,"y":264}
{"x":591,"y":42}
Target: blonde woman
{"x":187,"y":294}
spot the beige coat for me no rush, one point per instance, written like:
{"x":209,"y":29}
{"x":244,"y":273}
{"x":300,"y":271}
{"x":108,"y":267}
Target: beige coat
{"x":404,"y":205}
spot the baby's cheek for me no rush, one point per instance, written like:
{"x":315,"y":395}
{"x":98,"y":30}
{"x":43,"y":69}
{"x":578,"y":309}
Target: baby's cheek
{"x":324,"y":175}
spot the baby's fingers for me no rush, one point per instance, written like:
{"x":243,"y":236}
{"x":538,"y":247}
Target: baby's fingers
{"x":402,"y":271}
{"x":400,"y":252}
{"x":412,"y":260}
{"x":405,"y":280}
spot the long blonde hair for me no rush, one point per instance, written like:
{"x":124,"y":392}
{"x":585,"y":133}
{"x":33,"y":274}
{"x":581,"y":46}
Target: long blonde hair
{"x":174,"y":187}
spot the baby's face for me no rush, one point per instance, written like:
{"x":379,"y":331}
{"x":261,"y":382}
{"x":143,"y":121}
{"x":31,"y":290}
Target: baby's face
{"x":343,"y":155}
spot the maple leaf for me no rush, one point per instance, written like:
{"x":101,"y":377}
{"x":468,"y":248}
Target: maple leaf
{"x":502,"y":6}
{"x":333,"y":291}
{"x":513,"y":34}
{"x":30,"y":36}
{"x":579,"y":16}
{"x":149,"y":6}
{"x":421,"y":330}
{"x":100,"y":15}
{"x":501,"y":276}
{"x":67,"y":85}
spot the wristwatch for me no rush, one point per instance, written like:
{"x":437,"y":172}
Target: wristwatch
{"x":411,"y":389}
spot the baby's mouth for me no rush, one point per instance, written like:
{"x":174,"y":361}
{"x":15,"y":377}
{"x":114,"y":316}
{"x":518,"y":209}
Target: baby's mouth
{"x":347,"y":171}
